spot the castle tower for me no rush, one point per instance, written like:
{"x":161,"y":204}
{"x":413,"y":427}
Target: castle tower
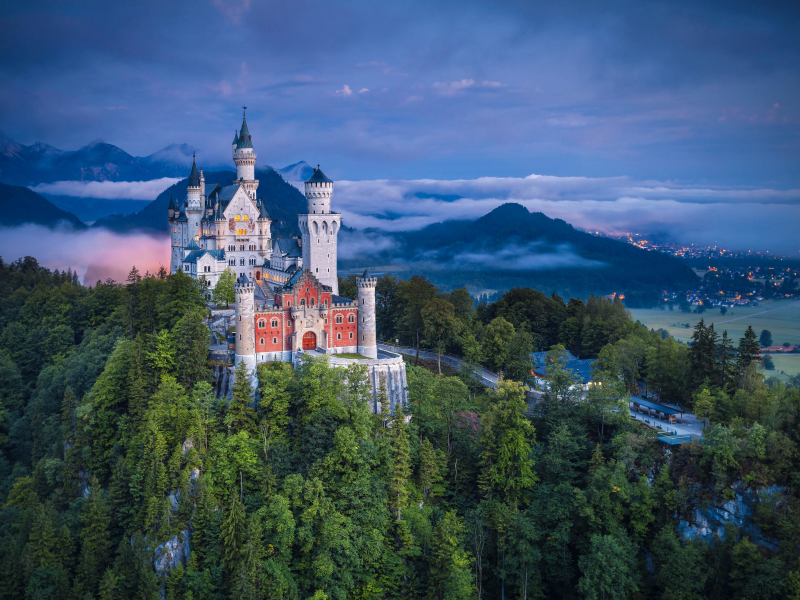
{"x":245,"y":158}
{"x":263,"y":231}
{"x":245,"y":322}
{"x":367,"y":344}
{"x":176,"y":235}
{"x":320,"y":229}
{"x":194,"y":202}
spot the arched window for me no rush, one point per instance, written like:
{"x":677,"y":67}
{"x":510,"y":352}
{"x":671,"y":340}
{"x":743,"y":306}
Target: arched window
{"x":302,"y":301}
{"x":311,"y":302}
{"x":338,"y":336}
{"x":262,"y":323}
{"x":274,"y":322}
{"x":338,"y":318}
{"x":261,"y":341}
{"x":241,"y":262}
{"x":274,"y":340}
{"x":351,"y":335}
{"x":351,"y":319}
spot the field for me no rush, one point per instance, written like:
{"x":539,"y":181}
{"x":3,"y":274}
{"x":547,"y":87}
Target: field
{"x":781,"y":317}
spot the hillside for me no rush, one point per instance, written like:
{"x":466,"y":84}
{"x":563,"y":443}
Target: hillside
{"x":512,"y":247}
{"x":284,"y":202}
{"x":19,"y":205}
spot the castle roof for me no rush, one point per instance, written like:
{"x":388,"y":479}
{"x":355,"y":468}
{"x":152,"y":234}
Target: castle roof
{"x":235,"y":137}
{"x":262,"y":209}
{"x":194,"y":255}
{"x":365,"y":275}
{"x":171,"y":203}
{"x":192,"y":245}
{"x":318,"y":177}
{"x":288,"y":247}
{"x":218,"y":215}
{"x":194,"y":176}
{"x":245,"y":141}
{"x":227,"y":193}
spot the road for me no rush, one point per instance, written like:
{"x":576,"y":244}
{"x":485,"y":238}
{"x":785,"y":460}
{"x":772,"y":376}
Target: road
{"x":690,"y":426}
{"x":488,"y":378}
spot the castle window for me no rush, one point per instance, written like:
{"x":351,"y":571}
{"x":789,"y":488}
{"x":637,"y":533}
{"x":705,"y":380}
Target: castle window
{"x":262,"y":324}
{"x":302,"y":301}
{"x":244,"y":218}
{"x":317,"y":269}
{"x":338,"y":318}
{"x":311,"y":302}
{"x":237,"y":218}
{"x":241,"y":262}
{"x":362,"y":319}
{"x":261,"y":341}
{"x":351,"y":319}
{"x":274,"y":340}
{"x":338,"y":336}
{"x":274,"y":322}
{"x":351,"y":335}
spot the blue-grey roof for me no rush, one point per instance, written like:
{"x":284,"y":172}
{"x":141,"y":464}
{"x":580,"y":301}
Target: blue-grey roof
{"x":262,"y":209}
{"x":582,"y":368}
{"x":171,"y":202}
{"x":194,"y":176}
{"x":193,"y":256}
{"x":245,"y":141}
{"x":192,"y":245}
{"x":227,"y":193}
{"x":318,"y":176}
{"x":235,"y":137}
{"x":288,"y":245}
{"x":339,"y":299}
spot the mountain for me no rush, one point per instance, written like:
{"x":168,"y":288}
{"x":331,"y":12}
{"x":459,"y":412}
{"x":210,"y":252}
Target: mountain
{"x":19,"y":205}
{"x":512,"y":247}
{"x":296,"y":172}
{"x":284,"y":203}
{"x":97,"y":161}
{"x":89,"y":210}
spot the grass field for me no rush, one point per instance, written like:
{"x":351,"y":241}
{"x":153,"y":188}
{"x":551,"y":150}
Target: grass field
{"x":781,"y":317}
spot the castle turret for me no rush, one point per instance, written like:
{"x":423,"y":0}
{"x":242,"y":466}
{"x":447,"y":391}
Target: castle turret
{"x":263,"y":230}
{"x":176,"y":235}
{"x":245,"y":322}
{"x":320,"y":229}
{"x":367,"y":339}
{"x":193,"y":189}
{"x":245,"y":158}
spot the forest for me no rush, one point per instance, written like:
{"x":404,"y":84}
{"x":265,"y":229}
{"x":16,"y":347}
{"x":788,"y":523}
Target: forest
{"x":123,"y":476}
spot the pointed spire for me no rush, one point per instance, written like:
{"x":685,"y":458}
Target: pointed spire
{"x":245,"y":141}
{"x":171,"y":203}
{"x":194,"y":177}
{"x":235,"y":137}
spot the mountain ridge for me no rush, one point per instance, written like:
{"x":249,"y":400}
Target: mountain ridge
{"x":19,"y":205}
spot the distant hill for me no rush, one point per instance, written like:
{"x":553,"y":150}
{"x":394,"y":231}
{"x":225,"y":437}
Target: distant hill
{"x":97,"y":161}
{"x":19,"y":205}
{"x":284,"y":203}
{"x":512,"y":247}
{"x":296,"y":172}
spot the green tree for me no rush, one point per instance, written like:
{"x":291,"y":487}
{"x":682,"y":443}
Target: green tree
{"x":192,"y":342}
{"x":400,"y":465}
{"x":507,"y":437}
{"x":609,"y":569}
{"x":95,"y":539}
{"x":432,"y":463}
{"x":240,"y":415}
{"x":412,"y":295}
{"x":439,"y":323}
{"x":234,"y":533}
{"x":450,"y":565}
{"x":765,"y":339}
{"x":224,"y":292}
{"x":496,"y":338}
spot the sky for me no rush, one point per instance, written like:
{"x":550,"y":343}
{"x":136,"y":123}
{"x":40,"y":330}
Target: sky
{"x":677,"y":116}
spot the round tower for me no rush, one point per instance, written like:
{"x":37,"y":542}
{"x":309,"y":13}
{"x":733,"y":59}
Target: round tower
{"x":320,"y":229}
{"x":367,"y":340}
{"x":245,"y":158}
{"x":176,"y":235}
{"x":245,"y":322}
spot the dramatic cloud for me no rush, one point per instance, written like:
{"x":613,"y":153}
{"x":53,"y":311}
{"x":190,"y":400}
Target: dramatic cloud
{"x":512,"y":257}
{"x":95,"y":254}
{"x":734,"y":217}
{"x":110,"y":190}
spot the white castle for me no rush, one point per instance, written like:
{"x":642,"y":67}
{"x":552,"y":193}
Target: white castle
{"x":287,"y":301}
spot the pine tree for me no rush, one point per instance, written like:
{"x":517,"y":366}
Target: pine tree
{"x":192,"y":341}
{"x":450,"y":565}
{"x":431,"y":466}
{"x":747,"y":353}
{"x":233,"y":534}
{"x":69,"y":426}
{"x":400,"y":467}
{"x":41,"y":551}
{"x":241,"y":416}
{"x":95,"y":539}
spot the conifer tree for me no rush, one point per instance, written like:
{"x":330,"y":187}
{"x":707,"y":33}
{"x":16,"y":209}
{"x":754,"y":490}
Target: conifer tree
{"x":234,"y":528}
{"x":747,"y":353}
{"x":400,"y":467}
{"x":450,"y":565}
{"x":69,"y":426}
{"x":192,"y":341}
{"x":431,"y":466}
{"x":95,"y":538}
{"x":241,"y":416}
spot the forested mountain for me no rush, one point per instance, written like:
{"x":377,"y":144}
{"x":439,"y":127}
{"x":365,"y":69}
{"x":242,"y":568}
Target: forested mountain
{"x":97,"y":161}
{"x":512,"y":247}
{"x":20,"y":205}
{"x":122,"y":476}
{"x":284,"y":203}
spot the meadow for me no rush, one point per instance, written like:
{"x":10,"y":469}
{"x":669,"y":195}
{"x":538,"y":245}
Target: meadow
{"x":781,"y":317}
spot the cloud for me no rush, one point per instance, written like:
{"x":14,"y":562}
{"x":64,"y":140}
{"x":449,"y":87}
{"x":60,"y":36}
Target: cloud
{"x":741,"y":218}
{"x":512,"y":257}
{"x":109,"y":190}
{"x":345,"y":91}
{"x":95,"y":254}
{"x":455,"y":87}
{"x":354,"y":245}
{"x":363,"y":91}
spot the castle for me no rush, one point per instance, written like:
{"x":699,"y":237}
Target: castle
{"x":287,"y":302}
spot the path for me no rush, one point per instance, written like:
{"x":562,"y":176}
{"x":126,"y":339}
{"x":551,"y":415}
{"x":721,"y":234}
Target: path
{"x":758,"y":313}
{"x":486,"y":377}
